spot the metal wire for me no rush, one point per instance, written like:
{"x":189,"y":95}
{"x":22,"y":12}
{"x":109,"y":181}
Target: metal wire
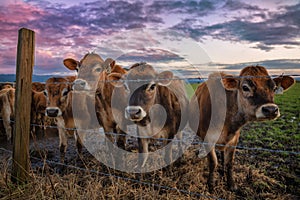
{"x":121,"y":177}
{"x":201,"y":79}
{"x":173,"y":140}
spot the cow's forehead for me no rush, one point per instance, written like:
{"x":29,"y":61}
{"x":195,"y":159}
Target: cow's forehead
{"x":258,"y":76}
{"x":254,"y":72}
{"x":56,"y":84}
{"x":90,"y":59}
{"x":143,"y":72}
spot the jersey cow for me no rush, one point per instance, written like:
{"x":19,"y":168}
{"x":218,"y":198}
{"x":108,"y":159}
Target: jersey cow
{"x":93,"y":77}
{"x":58,"y":92}
{"x":156,"y":103}
{"x":249,"y":97}
{"x":38,"y":107}
{"x":7,"y":103}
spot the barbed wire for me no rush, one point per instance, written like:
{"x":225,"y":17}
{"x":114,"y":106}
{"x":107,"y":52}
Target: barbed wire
{"x":169,"y":140}
{"x":121,"y":177}
{"x":190,"y":78}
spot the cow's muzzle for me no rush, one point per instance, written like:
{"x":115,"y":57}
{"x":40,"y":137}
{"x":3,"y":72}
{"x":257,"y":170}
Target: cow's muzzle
{"x":80,"y":84}
{"x":268,"y":111}
{"x":53,"y":112}
{"x":134,"y":113}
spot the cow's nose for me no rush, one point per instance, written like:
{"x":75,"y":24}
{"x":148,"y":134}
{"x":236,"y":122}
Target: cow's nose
{"x":79,"y":84}
{"x":133,"y":112}
{"x":52,"y":112}
{"x":270,"y":110}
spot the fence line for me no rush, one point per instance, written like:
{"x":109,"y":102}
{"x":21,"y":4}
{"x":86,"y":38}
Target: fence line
{"x":201,"y":79}
{"x":174,"y":140}
{"x":121,"y":177}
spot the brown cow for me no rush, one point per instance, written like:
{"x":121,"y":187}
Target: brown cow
{"x":223,"y":104}
{"x":38,"y":107}
{"x":93,"y":73}
{"x":7,"y":103}
{"x":37,"y":86}
{"x":6,"y":85}
{"x":58,"y":92}
{"x":150,"y":94}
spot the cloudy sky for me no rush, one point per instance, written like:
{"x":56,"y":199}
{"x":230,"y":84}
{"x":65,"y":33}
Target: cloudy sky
{"x":207,"y":33}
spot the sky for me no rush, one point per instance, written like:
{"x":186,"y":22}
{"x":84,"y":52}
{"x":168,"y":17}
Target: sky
{"x":183,"y":35}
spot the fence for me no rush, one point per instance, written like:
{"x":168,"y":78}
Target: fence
{"x":156,"y":185}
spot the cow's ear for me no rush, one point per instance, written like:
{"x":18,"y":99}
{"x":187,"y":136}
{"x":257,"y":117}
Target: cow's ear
{"x":109,"y":63}
{"x":71,"y":64}
{"x":230,"y":83}
{"x":165,"y":78}
{"x":285,"y":82}
{"x":115,"y":79}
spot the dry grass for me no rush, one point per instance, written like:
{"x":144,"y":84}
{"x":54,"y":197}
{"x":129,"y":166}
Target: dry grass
{"x":189,"y":176}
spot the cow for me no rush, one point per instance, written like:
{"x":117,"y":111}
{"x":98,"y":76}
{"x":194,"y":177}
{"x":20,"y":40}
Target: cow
{"x":239,"y":100}
{"x":37,"y":86}
{"x":6,"y":85}
{"x":38,"y":107}
{"x":93,"y":73}
{"x":58,"y":92}
{"x":148,"y":95}
{"x":7,"y":103}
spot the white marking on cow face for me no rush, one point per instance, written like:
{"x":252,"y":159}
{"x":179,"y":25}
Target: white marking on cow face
{"x":80,"y":85}
{"x":135,"y":113}
{"x":267,"y":111}
{"x":53,"y":112}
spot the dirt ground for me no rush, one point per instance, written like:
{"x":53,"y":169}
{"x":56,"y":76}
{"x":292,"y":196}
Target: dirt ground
{"x":253,"y":177}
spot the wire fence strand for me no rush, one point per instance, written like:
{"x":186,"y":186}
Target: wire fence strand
{"x":171,"y":140}
{"x":164,"y":187}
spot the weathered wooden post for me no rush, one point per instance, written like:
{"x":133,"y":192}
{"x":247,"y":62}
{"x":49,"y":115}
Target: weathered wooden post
{"x":24,"y":68}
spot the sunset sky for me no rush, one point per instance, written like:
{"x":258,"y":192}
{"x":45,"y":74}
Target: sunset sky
{"x":207,"y":33}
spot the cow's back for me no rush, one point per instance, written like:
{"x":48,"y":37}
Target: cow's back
{"x":210,"y":96}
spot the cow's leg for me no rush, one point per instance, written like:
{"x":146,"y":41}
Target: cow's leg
{"x":212,"y":164}
{"x":78,"y":143}
{"x":62,"y":138}
{"x":168,"y":151}
{"x":62,"y":144}
{"x":180,"y":146}
{"x":121,"y":138}
{"x":6,"y":122}
{"x":229,"y":161}
{"x":143,"y":144}
{"x":222,"y":158}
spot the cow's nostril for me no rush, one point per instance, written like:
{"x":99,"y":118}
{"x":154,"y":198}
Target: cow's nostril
{"x":270,"y":110}
{"x":134,"y":112}
{"x":52,"y":112}
{"x":82,"y":83}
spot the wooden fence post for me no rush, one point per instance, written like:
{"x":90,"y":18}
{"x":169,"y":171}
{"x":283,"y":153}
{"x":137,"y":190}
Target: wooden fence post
{"x":24,"y":68}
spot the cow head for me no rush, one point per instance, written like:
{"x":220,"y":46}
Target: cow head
{"x":57,"y":92}
{"x":255,"y":92}
{"x":88,"y":68}
{"x":141,"y":84}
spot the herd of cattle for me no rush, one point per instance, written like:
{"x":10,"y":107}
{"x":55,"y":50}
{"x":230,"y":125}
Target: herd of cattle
{"x":217,"y":111}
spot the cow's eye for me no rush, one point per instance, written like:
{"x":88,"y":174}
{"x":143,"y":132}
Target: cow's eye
{"x":152,"y":87}
{"x":65,"y":92}
{"x":45,"y":93}
{"x":246,"y":88}
{"x":99,"y":69}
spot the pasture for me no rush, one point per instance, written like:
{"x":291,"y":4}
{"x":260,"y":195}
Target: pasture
{"x":267,"y":167}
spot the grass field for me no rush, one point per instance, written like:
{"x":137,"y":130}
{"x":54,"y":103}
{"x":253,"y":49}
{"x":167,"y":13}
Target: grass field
{"x":260,"y":172}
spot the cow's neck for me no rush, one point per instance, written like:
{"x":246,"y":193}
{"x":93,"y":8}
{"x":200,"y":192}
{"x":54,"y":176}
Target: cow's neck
{"x":234,"y":113}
